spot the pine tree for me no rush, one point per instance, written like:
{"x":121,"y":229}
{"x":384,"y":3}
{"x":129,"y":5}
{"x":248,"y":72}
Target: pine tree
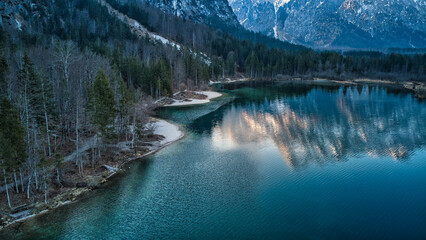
{"x":250,"y":63}
{"x":102,"y":105}
{"x":205,"y":73}
{"x":27,"y":77}
{"x":125,"y":104}
{"x":12,"y":140}
{"x":166,"y":75}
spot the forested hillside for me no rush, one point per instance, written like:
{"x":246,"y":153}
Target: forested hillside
{"x":73,"y":70}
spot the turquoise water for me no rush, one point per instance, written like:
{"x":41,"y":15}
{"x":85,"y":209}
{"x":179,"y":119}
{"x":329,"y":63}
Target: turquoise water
{"x":268,"y":162}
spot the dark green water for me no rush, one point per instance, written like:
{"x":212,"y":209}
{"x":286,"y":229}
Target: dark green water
{"x":271,"y":162}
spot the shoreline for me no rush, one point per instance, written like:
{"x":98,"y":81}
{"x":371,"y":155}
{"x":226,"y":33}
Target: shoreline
{"x":157,"y":148}
{"x":193,"y":101}
{"x":229,"y":80}
{"x":172,"y":133}
{"x":415,"y":87}
{"x":187,"y":98}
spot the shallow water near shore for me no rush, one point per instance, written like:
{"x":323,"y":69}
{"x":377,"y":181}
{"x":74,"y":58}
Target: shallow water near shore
{"x":267,"y":162}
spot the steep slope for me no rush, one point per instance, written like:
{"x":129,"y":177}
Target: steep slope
{"x":219,"y":15}
{"x":212,"y":12}
{"x":339,"y":23}
{"x":136,"y":28}
{"x":256,"y":16}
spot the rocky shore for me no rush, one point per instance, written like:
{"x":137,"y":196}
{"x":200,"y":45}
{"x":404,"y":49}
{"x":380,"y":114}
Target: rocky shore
{"x":164,"y":133}
{"x":185,"y":98}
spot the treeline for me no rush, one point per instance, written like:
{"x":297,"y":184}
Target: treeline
{"x":259,"y":61}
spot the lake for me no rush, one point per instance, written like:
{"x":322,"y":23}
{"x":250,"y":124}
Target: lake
{"x":268,"y":161}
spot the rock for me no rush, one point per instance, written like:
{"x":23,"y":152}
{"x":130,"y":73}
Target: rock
{"x":165,"y":101}
{"x":81,"y":185}
{"x":5,"y":219}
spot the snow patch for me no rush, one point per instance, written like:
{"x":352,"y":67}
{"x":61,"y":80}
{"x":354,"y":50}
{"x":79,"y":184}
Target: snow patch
{"x":170,"y":131}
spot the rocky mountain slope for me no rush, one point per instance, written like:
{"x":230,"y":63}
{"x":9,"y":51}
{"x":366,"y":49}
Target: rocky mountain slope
{"x":338,"y":23}
{"x":211,"y":12}
{"x":257,"y":16}
{"x":11,"y":12}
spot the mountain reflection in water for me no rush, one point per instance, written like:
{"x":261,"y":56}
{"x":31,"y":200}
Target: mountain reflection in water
{"x":317,"y":128}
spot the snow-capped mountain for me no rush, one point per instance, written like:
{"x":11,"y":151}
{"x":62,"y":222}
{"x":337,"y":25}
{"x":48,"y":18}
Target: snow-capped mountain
{"x":204,"y":11}
{"x":337,"y":23}
{"x":257,"y":16}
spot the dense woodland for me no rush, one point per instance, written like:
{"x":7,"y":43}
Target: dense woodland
{"x":76,"y":72}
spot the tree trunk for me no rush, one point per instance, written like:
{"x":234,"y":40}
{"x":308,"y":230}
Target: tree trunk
{"x":81,"y":167}
{"x":27,"y":117}
{"x":27,"y":125}
{"x":58,"y":177}
{"x":16,"y":182}
{"x":46,"y":119}
{"x":45,"y":192}
{"x":196,"y":76}
{"x":36,"y":147}
{"x":211,"y":63}
{"x":7,"y":190}
{"x":29,"y":184}
{"x":22,"y":180}
{"x":35,"y":177}
{"x":95,"y":140}
{"x":76,"y":134}
{"x":134,"y":128}
{"x":128,"y":124}
{"x":55,"y":142}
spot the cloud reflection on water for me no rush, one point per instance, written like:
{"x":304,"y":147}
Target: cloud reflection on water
{"x":327,"y":127}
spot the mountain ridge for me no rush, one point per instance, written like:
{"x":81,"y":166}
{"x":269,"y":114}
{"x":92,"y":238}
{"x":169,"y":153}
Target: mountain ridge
{"x":339,"y":24}
{"x":212,"y":12}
